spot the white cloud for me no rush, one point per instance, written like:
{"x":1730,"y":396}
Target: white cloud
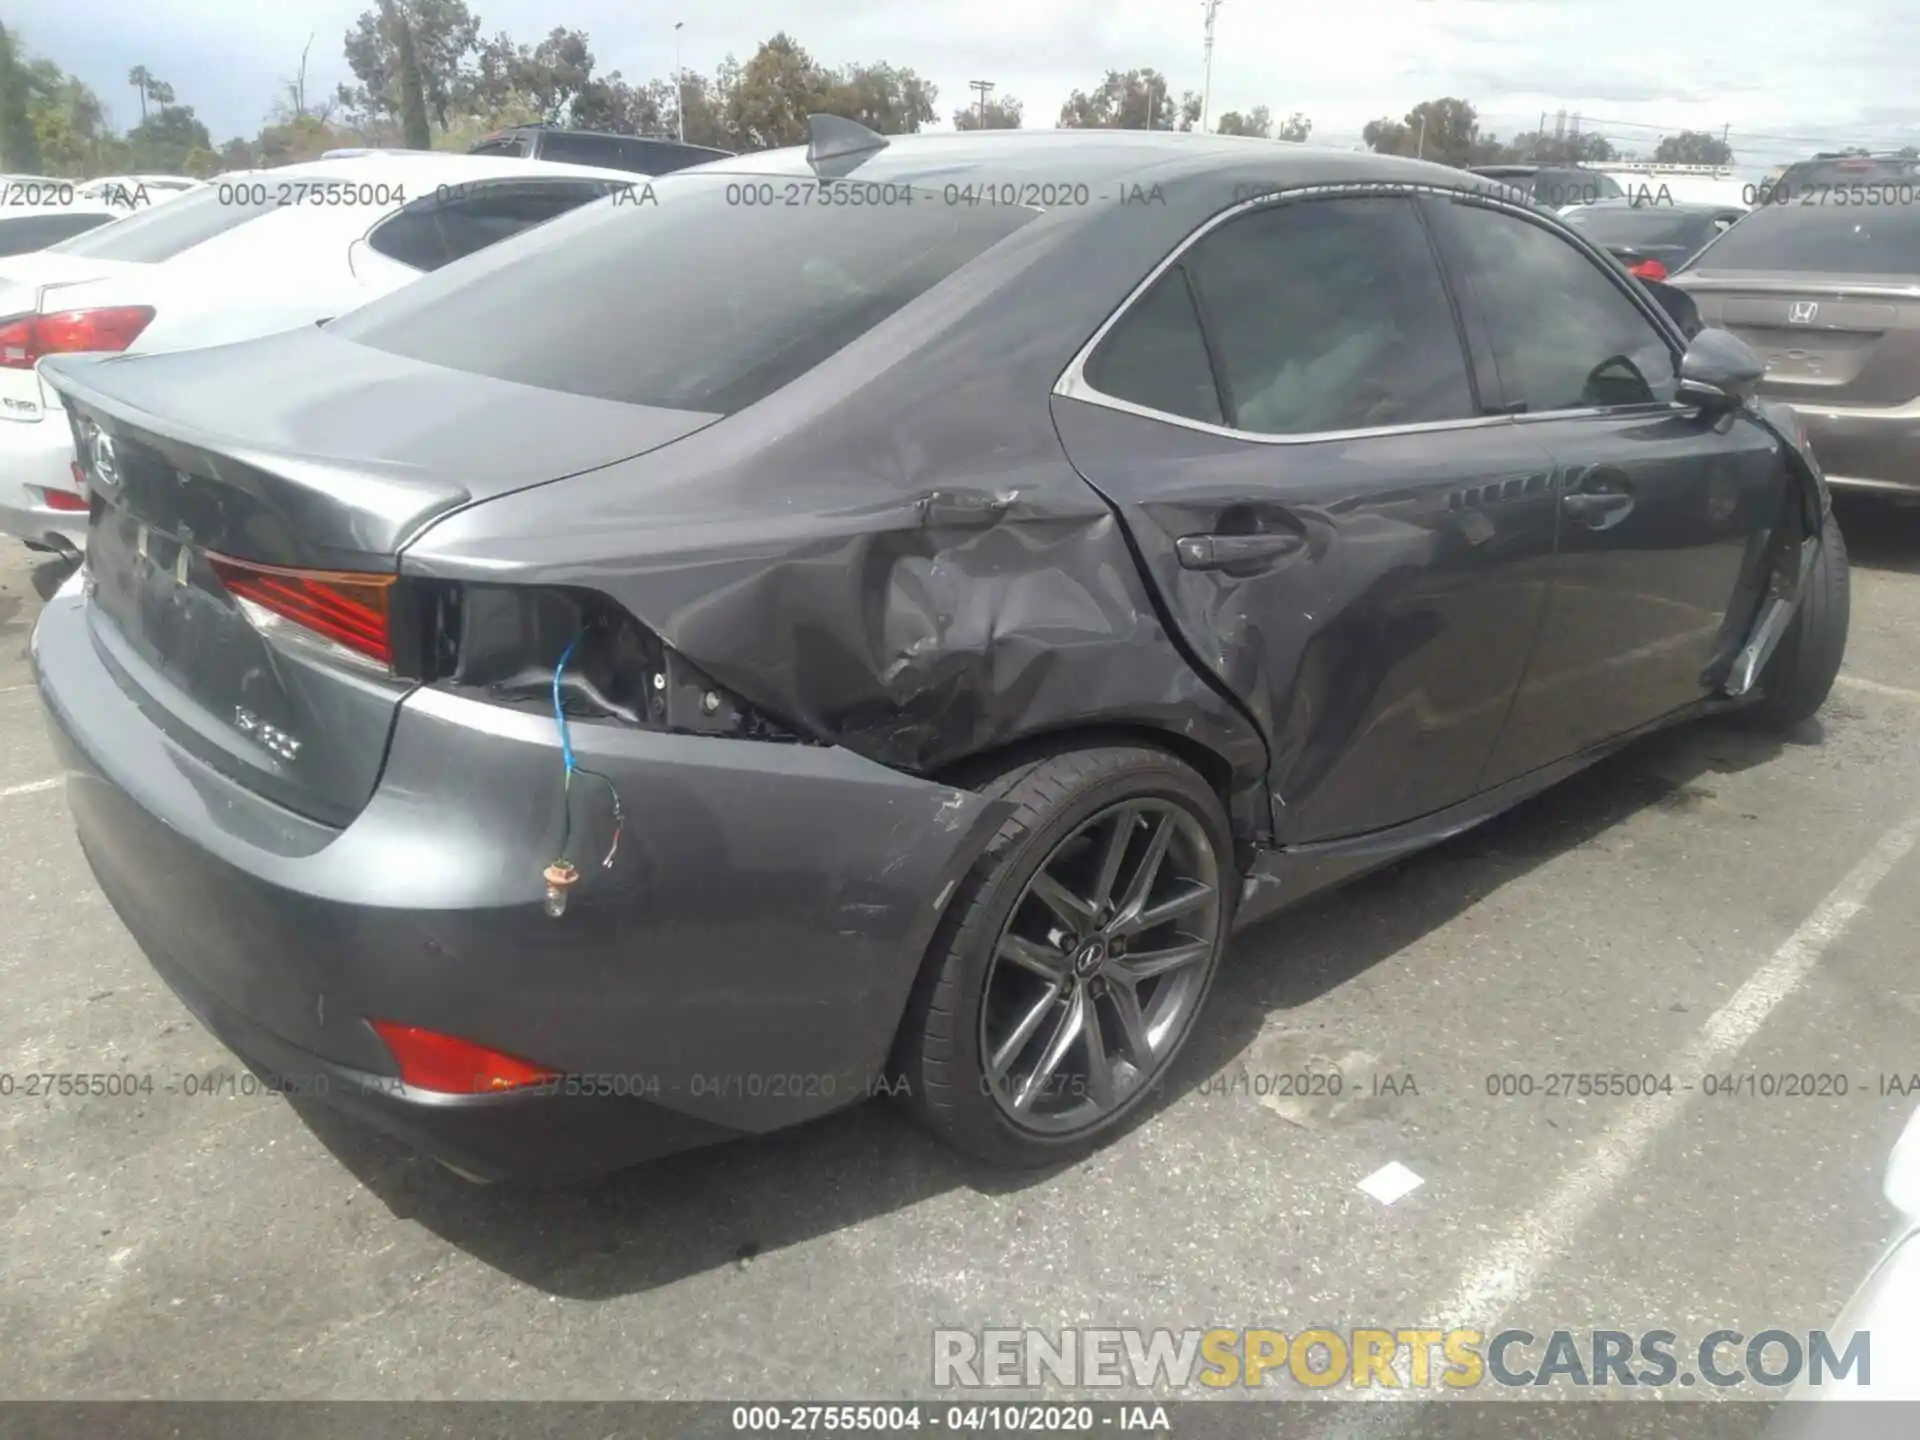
{"x":1783,"y":77}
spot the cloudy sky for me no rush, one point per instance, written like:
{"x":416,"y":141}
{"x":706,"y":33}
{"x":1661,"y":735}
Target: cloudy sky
{"x":1787,"y":78}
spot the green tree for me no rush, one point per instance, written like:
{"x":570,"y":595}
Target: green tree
{"x":413,"y":95}
{"x":1125,"y":100}
{"x":1692,"y":147}
{"x":775,"y":91}
{"x":884,"y":98}
{"x":166,"y":139}
{"x":158,"y":91}
{"x":444,"y":37}
{"x":1257,"y":122}
{"x":1446,"y":130}
{"x":1001,"y":114}
{"x":19,"y":138}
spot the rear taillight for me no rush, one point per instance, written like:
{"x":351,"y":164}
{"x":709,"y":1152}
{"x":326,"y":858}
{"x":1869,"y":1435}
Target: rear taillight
{"x":1648,"y":270}
{"x":27,"y":338}
{"x":347,"y":611}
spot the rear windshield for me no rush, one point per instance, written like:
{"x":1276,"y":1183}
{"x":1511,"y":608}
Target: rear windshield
{"x":1841,"y":240}
{"x":1808,"y":176}
{"x":162,"y":232}
{"x":1642,"y":225}
{"x":708,"y":298}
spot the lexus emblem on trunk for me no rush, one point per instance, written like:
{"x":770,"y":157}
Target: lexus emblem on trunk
{"x":1801,"y":312}
{"x":106,"y":469}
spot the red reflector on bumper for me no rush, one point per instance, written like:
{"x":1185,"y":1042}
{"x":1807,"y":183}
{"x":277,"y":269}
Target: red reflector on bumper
{"x":451,"y":1066}
{"x":65,"y":500}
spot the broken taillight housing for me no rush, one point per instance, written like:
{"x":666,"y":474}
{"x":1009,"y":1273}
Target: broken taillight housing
{"x":503,"y":643}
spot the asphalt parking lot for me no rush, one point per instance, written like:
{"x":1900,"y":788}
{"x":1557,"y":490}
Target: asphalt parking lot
{"x":1707,"y":902}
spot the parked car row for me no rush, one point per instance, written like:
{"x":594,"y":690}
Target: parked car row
{"x":244,"y":256}
{"x":630,"y":678}
{"x":36,"y":212}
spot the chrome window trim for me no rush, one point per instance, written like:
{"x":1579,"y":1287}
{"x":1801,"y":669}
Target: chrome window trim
{"x":1074,"y":385}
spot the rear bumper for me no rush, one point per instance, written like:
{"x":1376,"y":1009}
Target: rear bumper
{"x":741,"y":967}
{"x":1866,"y":449}
{"x":36,"y":456}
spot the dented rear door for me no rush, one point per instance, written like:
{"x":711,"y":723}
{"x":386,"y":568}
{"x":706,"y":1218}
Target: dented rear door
{"x":1368,"y":583}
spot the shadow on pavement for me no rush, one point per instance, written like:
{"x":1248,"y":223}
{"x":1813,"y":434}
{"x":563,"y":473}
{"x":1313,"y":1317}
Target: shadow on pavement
{"x":707,"y":1209}
{"x":1880,"y":534}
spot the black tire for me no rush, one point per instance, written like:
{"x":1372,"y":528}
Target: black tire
{"x":1798,"y":678}
{"x":939,"y":1050}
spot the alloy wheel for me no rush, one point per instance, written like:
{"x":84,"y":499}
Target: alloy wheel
{"x":1099,"y":966}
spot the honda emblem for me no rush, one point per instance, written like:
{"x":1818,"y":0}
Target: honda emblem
{"x":1801,"y":312}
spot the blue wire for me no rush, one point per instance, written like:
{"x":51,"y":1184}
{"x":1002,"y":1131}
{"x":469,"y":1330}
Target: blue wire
{"x":559,"y":713}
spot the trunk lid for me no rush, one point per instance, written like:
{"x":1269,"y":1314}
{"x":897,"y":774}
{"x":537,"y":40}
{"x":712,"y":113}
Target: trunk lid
{"x":35,"y":284}
{"x":1826,"y":340}
{"x":307,"y":452}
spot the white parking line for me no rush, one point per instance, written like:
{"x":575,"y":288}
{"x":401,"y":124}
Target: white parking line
{"x":33,"y":787}
{"x":1550,"y":1230}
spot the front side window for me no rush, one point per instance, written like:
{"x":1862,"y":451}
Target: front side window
{"x":1330,"y":315}
{"x":1565,"y":336}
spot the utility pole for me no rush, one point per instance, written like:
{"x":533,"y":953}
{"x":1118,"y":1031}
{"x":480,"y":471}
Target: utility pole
{"x":679,"y":87}
{"x":1206,"y":87}
{"x":1420,"y":150}
{"x":982,"y":87}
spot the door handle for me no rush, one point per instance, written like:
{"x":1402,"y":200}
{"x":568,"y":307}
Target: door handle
{"x":1597,"y":510}
{"x":1220,"y":552}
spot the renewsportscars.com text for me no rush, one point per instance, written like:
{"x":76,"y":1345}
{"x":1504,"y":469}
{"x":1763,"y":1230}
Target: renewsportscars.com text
{"x":1393,"y":1358}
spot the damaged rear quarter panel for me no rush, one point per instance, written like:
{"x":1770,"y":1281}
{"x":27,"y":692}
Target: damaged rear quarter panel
{"x":891,"y":553}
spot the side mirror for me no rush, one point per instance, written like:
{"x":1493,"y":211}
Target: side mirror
{"x":1677,"y":303}
{"x":1718,"y":372}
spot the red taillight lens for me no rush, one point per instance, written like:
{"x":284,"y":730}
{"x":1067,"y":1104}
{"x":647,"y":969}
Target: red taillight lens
{"x":1648,"y":270}
{"x":65,"y":500}
{"x":347,"y":609}
{"x":451,"y":1066}
{"x":27,"y":338}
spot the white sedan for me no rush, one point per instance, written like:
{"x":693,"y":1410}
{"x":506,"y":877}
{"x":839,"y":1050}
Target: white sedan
{"x":245,"y":255}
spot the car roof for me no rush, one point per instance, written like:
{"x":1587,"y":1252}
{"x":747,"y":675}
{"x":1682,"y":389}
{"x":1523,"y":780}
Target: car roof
{"x":1095,"y":157}
{"x":417,"y":166}
{"x":1668,"y":207}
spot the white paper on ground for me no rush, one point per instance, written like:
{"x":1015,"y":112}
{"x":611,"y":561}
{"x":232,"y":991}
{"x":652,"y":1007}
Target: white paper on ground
{"x":1391,"y":1182}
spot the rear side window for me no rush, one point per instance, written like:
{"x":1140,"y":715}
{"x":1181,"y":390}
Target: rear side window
{"x":515,"y":145}
{"x":1836,"y":239}
{"x":1565,"y":336}
{"x":433,"y":232}
{"x":582,"y":149}
{"x":164,"y":231}
{"x":687,"y":301}
{"x":1330,"y":315}
{"x":22,"y":233}
{"x":1155,"y":356}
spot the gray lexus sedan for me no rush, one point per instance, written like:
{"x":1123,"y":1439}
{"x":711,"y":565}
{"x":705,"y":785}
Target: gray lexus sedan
{"x":877,"y":615}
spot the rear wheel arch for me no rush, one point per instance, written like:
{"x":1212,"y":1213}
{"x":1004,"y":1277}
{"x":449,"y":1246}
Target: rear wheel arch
{"x":1213,"y":766}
